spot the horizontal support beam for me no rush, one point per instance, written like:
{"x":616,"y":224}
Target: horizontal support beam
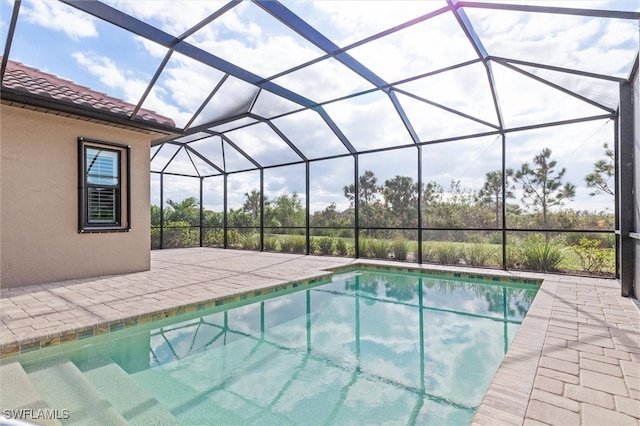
{"x":596,"y":13}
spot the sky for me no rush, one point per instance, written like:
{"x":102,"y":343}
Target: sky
{"x":61,"y":40}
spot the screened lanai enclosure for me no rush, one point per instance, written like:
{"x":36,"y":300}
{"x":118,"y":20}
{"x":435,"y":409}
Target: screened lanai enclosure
{"x":486,"y":134}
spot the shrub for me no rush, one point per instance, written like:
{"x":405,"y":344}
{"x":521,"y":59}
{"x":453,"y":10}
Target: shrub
{"x":233,"y":237}
{"x":179,"y":234}
{"x":603,"y":240}
{"x":540,"y":255}
{"x":379,"y":248}
{"x":299,"y":244}
{"x":249,"y":241}
{"x":592,"y":257}
{"x":514,"y":257}
{"x":286,"y":244}
{"x":341,"y":247}
{"x":270,"y":243}
{"x":478,"y":254}
{"x":413,"y":250}
{"x":363,"y":246}
{"x":400,"y":248}
{"x":325,"y":245}
{"x":428,"y":253}
{"x":155,"y":238}
{"x":495,"y":238}
{"x":345,"y":233}
{"x":446,"y":253}
{"x":313,"y":245}
{"x":213,"y":237}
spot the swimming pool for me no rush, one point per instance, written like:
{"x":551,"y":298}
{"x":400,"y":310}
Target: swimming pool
{"x":370,"y":346}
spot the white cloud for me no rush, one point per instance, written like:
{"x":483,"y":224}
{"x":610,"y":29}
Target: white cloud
{"x":346,"y":22}
{"x":327,"y":180}
{"x":525,"y":101}
{"x":238,"y":185}
{"x":324,"y":81}
{"x":174,"y":17}
{"x":466,"y":88}
{"x":59,"y":17}
{"x":102,"y":67}
{"x":126,"y":85}
{"x":182,"y":88}
{"x":426,"y":46}
{"x":154,"y":49}
{"x":264,"y":145}
{"x":584,"y":43}
{"x":310,"y":134}
{"x":285,"y":180}
{"x":624,"y":5}
{"x":370,"y":121}
{"x":177,"y":188}
{"x":264,"y":48}
{"x":111,"y":75}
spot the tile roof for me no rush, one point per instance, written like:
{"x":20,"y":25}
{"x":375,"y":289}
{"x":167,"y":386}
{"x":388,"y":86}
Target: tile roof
{"x":21,"y":77}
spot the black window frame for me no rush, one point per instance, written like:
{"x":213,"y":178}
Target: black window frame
{"x":122,"y":219}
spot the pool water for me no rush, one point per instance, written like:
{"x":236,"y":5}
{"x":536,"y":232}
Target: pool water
{"x":369,"y":347}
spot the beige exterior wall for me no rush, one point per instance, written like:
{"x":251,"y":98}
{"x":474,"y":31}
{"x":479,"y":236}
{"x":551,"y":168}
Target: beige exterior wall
{"x":39,"y":202}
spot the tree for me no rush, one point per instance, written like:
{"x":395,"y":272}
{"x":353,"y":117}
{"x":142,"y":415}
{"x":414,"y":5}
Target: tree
{"x":330,"y":217}
{"x":603,"y":171}
{"x":184,"y":211}
{"x":542,"y":185}
{"x":370,"y":212}
{"x":240,"y":219}
{"x":431,"y":197}
{"x":213,"y":219}
{"x":155,"y":215}
{"x":367,"y":189}
{"x":286,"y":212}
{"x":491,"y":192}
{"x":252,"y":203}
{"x":401,"y":198}
{"x":456,"y":208}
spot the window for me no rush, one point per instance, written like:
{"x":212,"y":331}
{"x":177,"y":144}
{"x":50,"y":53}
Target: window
{"x":103,"y":190}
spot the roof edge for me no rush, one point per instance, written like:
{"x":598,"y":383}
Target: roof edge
{"x":12,"y":97}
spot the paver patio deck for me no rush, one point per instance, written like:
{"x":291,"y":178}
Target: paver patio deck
{"x":575,"y":359}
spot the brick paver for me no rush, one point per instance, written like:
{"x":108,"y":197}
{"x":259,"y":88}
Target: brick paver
{"x":603,"y":382}
{"x":551,"y":414}
{"x":574,"y":361}
{"x":597,"y":416}
{"x":628,"y":406}
{"x":589,"y":396}
{"x":588,"y":371}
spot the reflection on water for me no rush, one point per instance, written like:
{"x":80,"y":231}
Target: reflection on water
{"x":370,"y":347}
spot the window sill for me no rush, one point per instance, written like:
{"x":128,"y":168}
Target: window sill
{"x":102,"y":230}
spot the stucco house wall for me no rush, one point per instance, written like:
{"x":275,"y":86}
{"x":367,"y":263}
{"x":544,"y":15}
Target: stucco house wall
{"x":39,"y":201}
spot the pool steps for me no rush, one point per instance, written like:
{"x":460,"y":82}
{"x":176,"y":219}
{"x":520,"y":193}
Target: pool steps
{"x":18,"y":392}
{"x":66,"y":387}
{"x":184,"y":392}
{"x":130,"y":399}
{"x":188,"y":392}
{"x":101,"y":394}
